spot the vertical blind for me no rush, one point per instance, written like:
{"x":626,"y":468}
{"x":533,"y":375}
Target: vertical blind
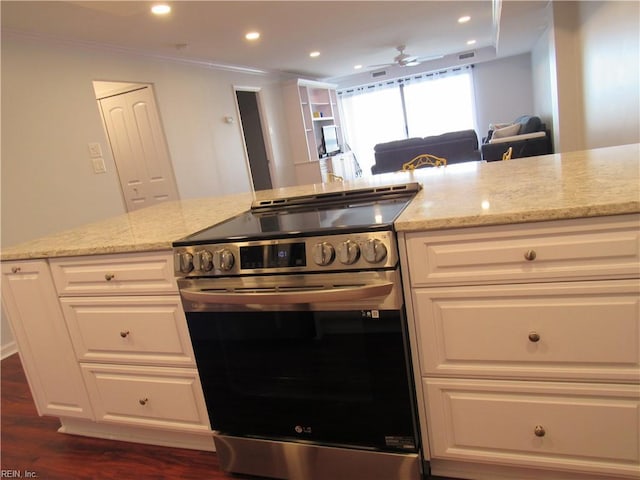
{"x":419,"y":105}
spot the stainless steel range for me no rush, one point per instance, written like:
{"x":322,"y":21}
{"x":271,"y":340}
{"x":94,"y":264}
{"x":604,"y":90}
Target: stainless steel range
{"x":297,"y":320}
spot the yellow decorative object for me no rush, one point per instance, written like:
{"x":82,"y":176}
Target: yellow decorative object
{"x":334,"y":178}
{"x":507,"y":155}
{"x":422,"y":160}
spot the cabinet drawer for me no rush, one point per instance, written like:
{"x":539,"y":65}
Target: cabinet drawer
{"x":114,"y":274}
{"x":583,"y":330}
{"x":603,"y":247}
{"x":595,"y":428}
{"x":168,"y":398}
{"x":131,"y":330}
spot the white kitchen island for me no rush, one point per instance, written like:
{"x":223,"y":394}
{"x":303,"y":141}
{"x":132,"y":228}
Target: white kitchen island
{"x":541,"y":250}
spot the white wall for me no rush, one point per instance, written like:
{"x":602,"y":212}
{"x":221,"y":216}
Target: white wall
{"x":541,"y":80}
{"x":503,"y":90}
{"x":567,"y":95}
{"x":49,"y":115}
{"x":586,"y":75}
{"x":610,"y":38}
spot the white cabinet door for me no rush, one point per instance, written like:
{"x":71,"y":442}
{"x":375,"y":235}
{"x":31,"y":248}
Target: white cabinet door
{"x":30,"y":300}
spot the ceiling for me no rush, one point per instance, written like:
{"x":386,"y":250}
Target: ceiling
{"x":345,"y":33}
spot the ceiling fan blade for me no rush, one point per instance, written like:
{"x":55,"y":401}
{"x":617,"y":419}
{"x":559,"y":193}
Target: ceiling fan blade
{"x":381,"y":65}
{"x":428,"y":58}
{"x":405,"y":60}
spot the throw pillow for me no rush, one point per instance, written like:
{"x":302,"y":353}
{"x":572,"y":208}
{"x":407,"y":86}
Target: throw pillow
{"x":496,"y":126}
{"x":506,"y":131}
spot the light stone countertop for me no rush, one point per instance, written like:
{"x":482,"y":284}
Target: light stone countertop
{"x":589,"y":183}
{"x":561,"y":186}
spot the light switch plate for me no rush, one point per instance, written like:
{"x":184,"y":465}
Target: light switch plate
{"x":98,"y":165}
{"x":95,"y":150}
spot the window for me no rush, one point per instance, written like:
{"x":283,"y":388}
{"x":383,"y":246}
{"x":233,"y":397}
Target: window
{"x":416,"y":106}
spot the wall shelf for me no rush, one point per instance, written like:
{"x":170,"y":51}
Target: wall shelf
{"x":304,"y":99}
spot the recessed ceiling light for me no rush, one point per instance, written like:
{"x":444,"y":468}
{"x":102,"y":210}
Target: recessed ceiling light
{"x":160,"y":9}
{"x":252,"y":35}
{"x":464,"y":19}
{"x":357,"y":67}
{"x":314,"y":54}
{"x":471,"y":42}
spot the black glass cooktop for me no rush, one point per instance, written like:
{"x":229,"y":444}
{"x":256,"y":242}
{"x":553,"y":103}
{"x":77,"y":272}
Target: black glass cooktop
{"x":250,"y":225}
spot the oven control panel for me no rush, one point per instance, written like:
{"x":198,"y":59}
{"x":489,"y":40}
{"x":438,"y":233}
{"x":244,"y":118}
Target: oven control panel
{"x":352,"y":251}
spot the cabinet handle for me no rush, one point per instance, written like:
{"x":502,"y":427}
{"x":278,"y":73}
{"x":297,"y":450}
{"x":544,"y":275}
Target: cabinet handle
{"x":144,"y":401}
{"x":109,"y":276}
{"x":530,"y":255}
{"x":539,"y":431}
{"x":124,"y":333}
{"x":534,"y":337}
{"x":15,"y":269}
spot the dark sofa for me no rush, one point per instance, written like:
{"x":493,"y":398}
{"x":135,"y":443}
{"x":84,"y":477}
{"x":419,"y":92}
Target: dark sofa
{"x":455,"y":147}
{"x":532,"y":138}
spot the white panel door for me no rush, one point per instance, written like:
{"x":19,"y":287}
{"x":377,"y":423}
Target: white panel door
{"x":139,"y":148}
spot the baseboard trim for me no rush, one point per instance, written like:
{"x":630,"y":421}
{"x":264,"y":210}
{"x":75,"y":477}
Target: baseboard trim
{"x":8,"y":350}
{"x":481,"y":471}
{"x":126,"y":433}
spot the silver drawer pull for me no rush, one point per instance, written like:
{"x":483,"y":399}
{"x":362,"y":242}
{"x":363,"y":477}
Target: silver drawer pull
{"x":143,"y":401}
{"x":534,"y":337}
{"x":530,"y":255}
{"x":539,"y":431}
{"x":124,"y":333}
{"x":109,"y":276}
{"x":15,"y":269}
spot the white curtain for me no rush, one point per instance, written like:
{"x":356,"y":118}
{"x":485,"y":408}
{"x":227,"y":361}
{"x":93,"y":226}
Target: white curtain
{"x":417,"y":106}
{"x":370,"y":118}
{"x":444,"y":104}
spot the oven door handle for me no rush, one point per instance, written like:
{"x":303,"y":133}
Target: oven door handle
{"x":321,"y":295}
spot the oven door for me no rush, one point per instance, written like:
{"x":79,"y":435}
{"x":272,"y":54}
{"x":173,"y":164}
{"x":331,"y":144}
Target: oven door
{"x":308,"y":358}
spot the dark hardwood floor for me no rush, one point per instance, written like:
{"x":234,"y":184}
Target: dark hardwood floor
{"x":30,"y":446}
{"x":30,"y":443}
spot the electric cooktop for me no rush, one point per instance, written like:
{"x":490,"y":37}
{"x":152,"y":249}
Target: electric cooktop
{"x":355,"y":211}
{"x":315,"y":221}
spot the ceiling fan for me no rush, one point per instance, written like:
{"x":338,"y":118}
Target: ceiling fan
{"x":405,"y":60}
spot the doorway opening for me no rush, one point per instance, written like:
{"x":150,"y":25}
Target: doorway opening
{"x":253,"y":133}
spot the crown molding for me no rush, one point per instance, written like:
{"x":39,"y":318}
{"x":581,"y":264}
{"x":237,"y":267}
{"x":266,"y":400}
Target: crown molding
{"x":133,"y":52}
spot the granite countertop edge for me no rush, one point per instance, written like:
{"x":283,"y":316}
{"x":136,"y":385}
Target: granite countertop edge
{"x":591,"y":183}
{"x":518,"y":217}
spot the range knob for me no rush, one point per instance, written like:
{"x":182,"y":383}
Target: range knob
{"x":348,"y":252}
{"x":223,"y":259}
{"x":374,"y":250}
{"x":203,"y":260}
{"x":323,"y":253}
{"x":185,"y":262}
